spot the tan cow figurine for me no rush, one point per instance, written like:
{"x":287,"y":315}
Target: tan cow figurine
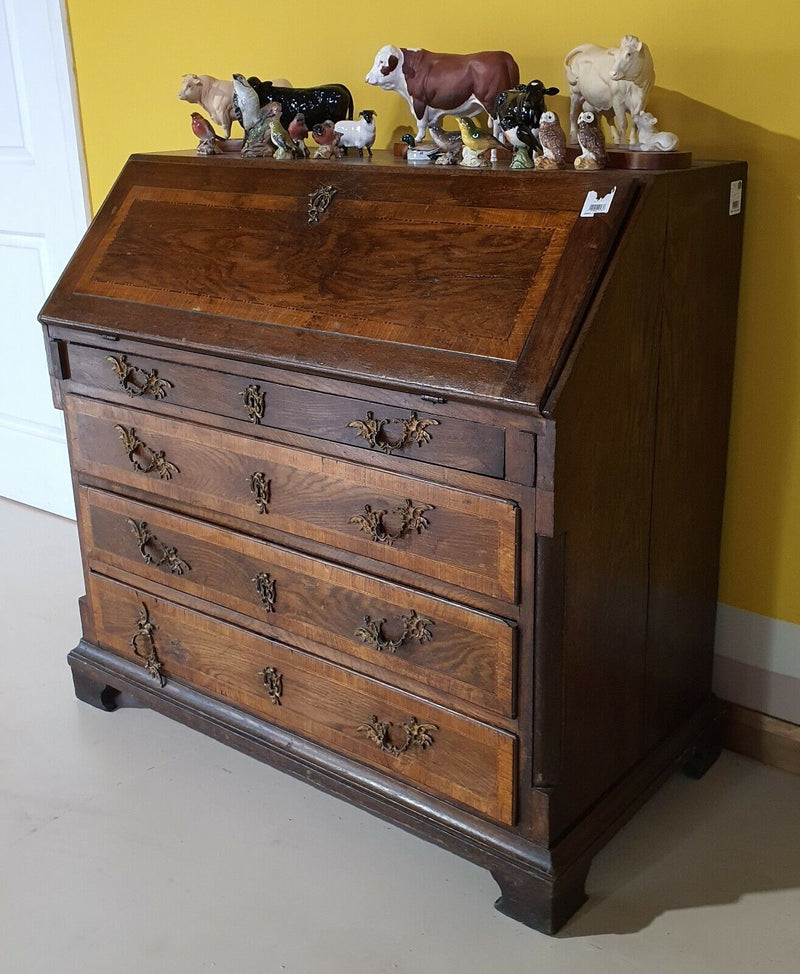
{"x":216,"y":97}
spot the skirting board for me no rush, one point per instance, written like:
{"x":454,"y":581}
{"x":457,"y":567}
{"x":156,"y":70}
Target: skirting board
{"x":767,"y":739}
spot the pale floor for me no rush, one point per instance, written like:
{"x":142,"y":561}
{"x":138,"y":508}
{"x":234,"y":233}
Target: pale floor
{"x":129,"y":843}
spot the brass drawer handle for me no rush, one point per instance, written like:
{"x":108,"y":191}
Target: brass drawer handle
{"x":412,"y":518}
{"x":414,"y":430}
{"x":273,"y":682}
{"x":144,"y":637}
{"x":254,"y":402}
{"x":136,"y":381}
{"x":142,"y":457}
{"x":261,"y":489}
{"x":414,"y":627}
{"x":265,"y":589}
{"x":417,"y":735}
{"x":155,"y":552}
{"x":318,"y":202}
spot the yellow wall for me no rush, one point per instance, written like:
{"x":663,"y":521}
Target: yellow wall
{"x":723,"y":85}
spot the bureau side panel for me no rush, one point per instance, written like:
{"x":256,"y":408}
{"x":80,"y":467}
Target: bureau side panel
{"x":694,"y":391}
{"x":604,"y":448}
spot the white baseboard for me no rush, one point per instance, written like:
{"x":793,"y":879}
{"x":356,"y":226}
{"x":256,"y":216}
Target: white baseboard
{"x":757,"y":662}
{"x":35,"y":465}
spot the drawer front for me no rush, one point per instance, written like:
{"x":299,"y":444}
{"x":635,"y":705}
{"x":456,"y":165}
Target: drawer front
{"x":463,"y":538}
{"x":445,"y":646}
{"x":420,"y":434}
{"x":430,"y":747}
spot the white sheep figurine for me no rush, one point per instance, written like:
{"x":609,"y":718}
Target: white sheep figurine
{"x":358,"y":134}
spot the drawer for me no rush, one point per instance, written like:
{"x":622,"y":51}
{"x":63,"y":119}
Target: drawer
{"x":445,"y":646}
{"x":422,"y":434}
{"x":409,"y":738}
{"x":463,"y":538}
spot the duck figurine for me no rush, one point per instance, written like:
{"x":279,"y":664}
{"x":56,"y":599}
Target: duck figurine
{"x":477,"y":142}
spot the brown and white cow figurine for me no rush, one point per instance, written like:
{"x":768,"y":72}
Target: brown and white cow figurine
{"x":435,"y":85}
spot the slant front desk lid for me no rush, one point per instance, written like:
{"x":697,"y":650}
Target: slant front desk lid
{"x":437,"y":279}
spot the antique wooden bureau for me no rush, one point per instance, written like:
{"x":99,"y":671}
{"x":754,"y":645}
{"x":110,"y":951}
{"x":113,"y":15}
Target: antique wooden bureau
{"x":409,"y":482}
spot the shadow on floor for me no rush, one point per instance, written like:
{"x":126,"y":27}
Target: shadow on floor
{"x":697,"y":843}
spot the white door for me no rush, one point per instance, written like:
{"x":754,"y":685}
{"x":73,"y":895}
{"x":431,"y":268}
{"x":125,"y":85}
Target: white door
{"x":43,"y":213}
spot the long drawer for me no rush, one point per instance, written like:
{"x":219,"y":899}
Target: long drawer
{"x":463,"y":538}
{"x":420,"y":433}
{"x":440,"y":751}
{"x":444,"y":646}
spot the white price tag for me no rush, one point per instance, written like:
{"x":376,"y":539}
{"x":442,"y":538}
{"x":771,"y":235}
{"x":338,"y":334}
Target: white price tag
{"x":597,"y":204}
{"x":735,"y":204}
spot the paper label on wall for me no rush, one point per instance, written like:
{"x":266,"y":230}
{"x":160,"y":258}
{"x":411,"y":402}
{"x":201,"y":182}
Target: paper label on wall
{"x":735,"y":204}
{"x":597,"y":204}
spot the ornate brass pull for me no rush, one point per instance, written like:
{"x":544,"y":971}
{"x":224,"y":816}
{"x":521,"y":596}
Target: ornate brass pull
{"x":136,"y":381}
{"x":265,"y":587}
{"x":417,"y":735}
{"x":273,"y":682}
{"x":414,"y":430}
{"x":165,"y":555}
{"x":261,"y":490}
{"x":318,"y":202}
{"x":414,"y":627}
{"x":142,"y":457}
{"x":144,"y":634}
{"x":412,"y":518}
{"x":254,"y":401}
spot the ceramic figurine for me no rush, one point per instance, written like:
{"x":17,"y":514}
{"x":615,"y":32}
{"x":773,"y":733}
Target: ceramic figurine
{"x":449,"y":145}
{"x":435,"y":85}
{"x":210,"y":143}
{"x":425,"y":152}
{"x":246,"y":104}
{"x":477,"y":143}
{"x":317,"y":104}
{"x":358,"y":134}
{"x":592,"y":143}
{"x":285,"y":146}
{"x":255,"y":121}
{"x":553,"y":142}
{"x":297,"y":128}
{"x":518,"y":112}
{"x":649,"y":138}
{"x":215,"y":96}
{"x":613,"y":82}
{"x":327,"y":138}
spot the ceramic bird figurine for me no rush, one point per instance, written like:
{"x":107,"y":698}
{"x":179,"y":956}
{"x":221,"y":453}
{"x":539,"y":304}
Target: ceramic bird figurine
{"x":327,"y":138}
{"x":283,"y":142}
{"x":476,"y":142}
{"x":258,"y":138}
{"x":554,"y":143}
{"x":298,"y":131}
{"x":593,"y":145}
{"x":210,"y":143}
{"x":246,"y":104}
{"x":448,"y":143}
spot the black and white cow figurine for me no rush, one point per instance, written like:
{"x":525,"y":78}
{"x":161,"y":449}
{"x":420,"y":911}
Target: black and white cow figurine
{"x":519,"y":111}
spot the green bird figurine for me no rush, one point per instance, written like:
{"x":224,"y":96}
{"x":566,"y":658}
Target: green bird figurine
{"x":285,"y":146}
{"x":476,"y":142}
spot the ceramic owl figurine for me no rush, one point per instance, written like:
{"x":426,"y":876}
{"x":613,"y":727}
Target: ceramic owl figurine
{"x":593,"y":145}
{"x":554,"y":143}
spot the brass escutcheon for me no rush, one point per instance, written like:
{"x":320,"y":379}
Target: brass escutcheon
{"x":261,"y":490}
{"x":416,"y":734}
{"x":414,"y":430}
{"x":265,"y":589}
{"x":254,"y":401}
{"x":318,"y":202}
{"x":273,"y":681}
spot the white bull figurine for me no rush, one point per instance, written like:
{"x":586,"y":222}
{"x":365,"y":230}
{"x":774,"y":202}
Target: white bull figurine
{"x":614,"y":82}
